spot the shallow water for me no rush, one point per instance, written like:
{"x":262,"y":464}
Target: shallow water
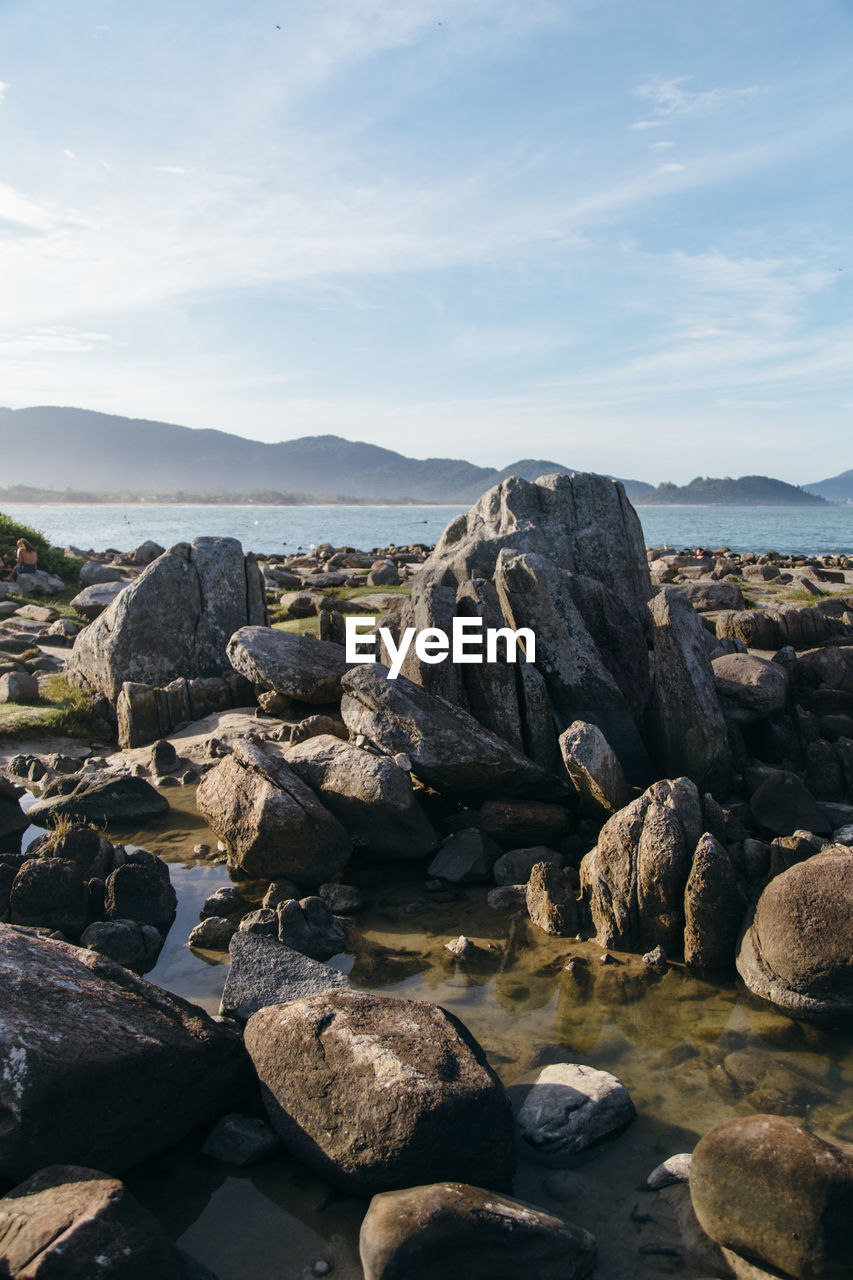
{"x":691,"y":1052}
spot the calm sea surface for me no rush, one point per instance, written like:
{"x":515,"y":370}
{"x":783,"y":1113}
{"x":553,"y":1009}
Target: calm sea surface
{"x":809,"y":530}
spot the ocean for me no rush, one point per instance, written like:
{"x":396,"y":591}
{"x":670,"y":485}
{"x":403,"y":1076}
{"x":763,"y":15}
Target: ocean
{"x":282,"y":530}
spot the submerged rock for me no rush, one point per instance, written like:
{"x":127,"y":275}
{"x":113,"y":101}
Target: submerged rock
{"x":375,"y":1093}
{"x":569,"y":1107}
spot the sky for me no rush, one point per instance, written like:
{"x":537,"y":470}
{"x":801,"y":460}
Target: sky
{"x":607,"y":234}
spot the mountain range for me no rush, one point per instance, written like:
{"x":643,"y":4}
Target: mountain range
{"x":61,"y":449}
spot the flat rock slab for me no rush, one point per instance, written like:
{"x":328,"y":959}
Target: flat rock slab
{"x":100,"y":1067}
{"x":265,"y":971}
{"x":570,"y":1107}
{"x":103,"y":794}
{"x":299,"y":667}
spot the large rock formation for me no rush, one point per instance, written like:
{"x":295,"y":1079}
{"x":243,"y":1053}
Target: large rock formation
{"x":300,"y":667}
{"x":375,"y":1093}
{"x":174,"y":620}
{"x":100,"y":1067}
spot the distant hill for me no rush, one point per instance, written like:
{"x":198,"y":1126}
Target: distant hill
{"x":747,"y":491}
{"x":836,"y":489}
{"x":98,"y":453}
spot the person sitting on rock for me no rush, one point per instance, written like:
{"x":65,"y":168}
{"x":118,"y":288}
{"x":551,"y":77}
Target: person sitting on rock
{"x":27,"y":557}
{"x":8,"y":567}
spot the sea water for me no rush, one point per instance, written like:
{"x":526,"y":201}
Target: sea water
{"x":283,"y":530}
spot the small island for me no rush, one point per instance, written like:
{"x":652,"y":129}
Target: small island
{"x":746,"y":491}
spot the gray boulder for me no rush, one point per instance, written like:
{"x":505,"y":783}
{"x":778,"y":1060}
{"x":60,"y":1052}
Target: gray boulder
{"x":93,"y":573}
{"x":271,"y":823}
{"x":112,"y":1043}
{"x":594,"y":768}
{"x":135,"y":946}
{"x":706,"y":597}
{"x":749,"y":688}
{"x":308,"y":926}
{"x":370,"y":795}
{"x":240,"y":1141}
{"x":569,"y":1107}
{"x":375,"y":1093}
{"x":146,"y":552}
{"x":797,"y":947}
{"x":424,"y":1232}
{"x":265,"y":972}
{"x":174,"y":620}
{"x":19,"y":686}
{"x":300,"y":667}
{"x":39,"y":583}
{"x":102,"y":795}
{"x":12,"y":817}
{"x":468,"y":857}
{"x":93,"y":601}
{"x":50,"y":892}
{"x":448,"y":749}
{"x":772,"y":1193}
{"x":689,"y":733}
{"x":70,"y":1223}
{"x":515,"y":866}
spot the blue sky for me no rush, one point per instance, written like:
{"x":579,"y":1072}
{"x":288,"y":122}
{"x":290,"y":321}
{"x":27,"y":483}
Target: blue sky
{"x":609,"y":234}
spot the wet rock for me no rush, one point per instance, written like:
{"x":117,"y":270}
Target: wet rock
{"x":507,"y":897}
{"x":264,"y":920}
{"x":227,"y":900}
{"x":279,"y":891}
{"x":749,"y":688}
{"x":656,"y":959}
{"x":770,"y":1191}
{"x":571,"y":1106}
{"x":369,"y":795}
{"x":12,"y":817}
{"x":102,"y":795}
{"x":714,"y":905}
{"x":466,"y":858}
{"x":594,"y":768}
{"x":174,"y":620}
{"x":113,"y":1043}
{"x":265,"y":972}
{"x":425,"y":1231}
{"x":271,"y":822}
{"x":164,"y":757}
{"x":552,"y":900}
{"x":764,"y":1081}
{"x":213,"y":934}
{"x":70,"y":1222}
{"x":672,"y":1170}
{"x":520,"y":824}
{"x":463,"y":948}
{"x":448,"y":749}
{"x":300,"y":667}
{"x":375,"y":1093}
{"x":689,"y":732}
{"x":52,"y":893}
{"x":240,"y":1141}
{"x":140,"y":892}
{"x":135,"y":946}
{"x":515,"y":866}
{"x":342,"y":899}
{"x":309,"y":926}
{"x":797,"y":949}
{"x":782,"y":804}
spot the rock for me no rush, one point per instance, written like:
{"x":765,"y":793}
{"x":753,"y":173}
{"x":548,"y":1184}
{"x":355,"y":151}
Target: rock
{"x":463,"y":948}
{"x":265,"y":972}
{"x":708,"y":596}
{"x":114,"y":1044}
{"x":213,"y":934}
{"x":50,"y":892}
{"x":770,"y":1191}
{"x":749,"y":688}
{"x":514,"y":867}
{"x":424,"y":1232}
{"x":12,"y":817}
{"x":141,"y":893}
{"x":448,"y":749}
{"x":523,"y":823}
{"x":783,"y":804}
{"x":135,"y":946}
{"x":93,"y":573}
{"x":271,"y":823}
{"x":147,"y":552}
{"x":465,"y":858}
{"x":63,"y":627}
{"x":689,"y":732}
{"x":19,"y":686}
{"x":37,"y":613}
{"x":375,"y":1093}
{"x":552,"y":900}
{"x":342,"y":899}
{"x":174,"y":620}
{"x":95,"y":600}
{"x":308,"y":926}
{"x":593,"y":767}
{"x":590,"y":649}
{"x":371,"y":797}
{"x":569,"y":1107}
{"x":264,"y":921}
{"x":39,"y":583}
{"x":300,"y":667}
{"x":797,"y":948}
{"x":634,"y":880}
{"x":713,"y":908}
{"x":674,"y":1169}
{"x":73,"y":1223}
{"x":279,"y":891}
{"x":384,"y":574}
{"x":104,"y":795}
{"x":164,"y":757}
{"x":508,"y":897}
{"x":227,"y":900}
{"x":240,"y":1141}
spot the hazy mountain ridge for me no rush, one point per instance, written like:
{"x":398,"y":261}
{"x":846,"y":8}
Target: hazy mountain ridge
{"x":58,"y":449}
{"x":836,"y":489}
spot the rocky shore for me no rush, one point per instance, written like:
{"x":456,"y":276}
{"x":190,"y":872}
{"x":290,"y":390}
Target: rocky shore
{"x":666,"y":791}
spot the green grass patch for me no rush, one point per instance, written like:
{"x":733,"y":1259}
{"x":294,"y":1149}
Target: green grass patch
{"x":63,"y":709}
{"x":300,"y":626}
{"x":800,"y":595}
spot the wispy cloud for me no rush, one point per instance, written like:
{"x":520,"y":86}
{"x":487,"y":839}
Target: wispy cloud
{"x":669,"y":99}
{"x":68,"y":152}
{"x":661,"y":146}
{"x":170,"y":168}
{"x":3,"y":89}
{"x":70,"y":341}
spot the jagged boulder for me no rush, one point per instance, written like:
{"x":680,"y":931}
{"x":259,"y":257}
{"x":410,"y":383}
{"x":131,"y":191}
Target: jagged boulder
{"x":714,"y":904}
{"x":300,"y":667}
{"x":174,"y":620}
{"x":272,"y":824}
{"x":370,"y":795}
{"x":594,"y":768}
{"x":749,"y":688}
